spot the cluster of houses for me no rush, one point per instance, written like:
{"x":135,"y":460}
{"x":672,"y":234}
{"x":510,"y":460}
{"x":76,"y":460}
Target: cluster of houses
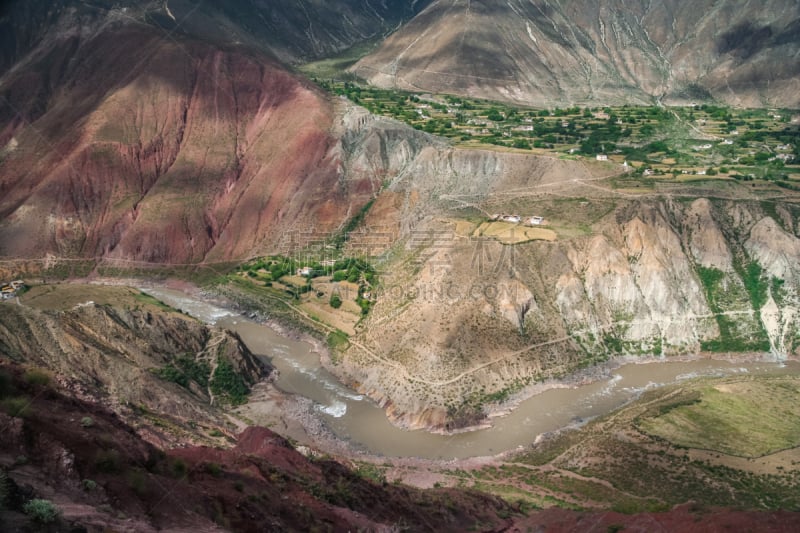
{"x":307,"y":271}
{"x":10,"y":290}
{"x":516,"y":219}
{"x":699,"y":147}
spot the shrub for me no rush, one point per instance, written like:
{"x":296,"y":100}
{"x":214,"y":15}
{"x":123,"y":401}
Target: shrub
{"x":87,"y":421}
{"x":179,"y":468}
{"x":185,"y":369}
{"x":107,"y":461}
{"x":89,"y":484}
{"x":6,"y":385}
{"x":137,"y":481}
{"x":17,"y":407}
{"x":336,"y":301}
{"x":228,"y":384}
{"x":42,"y":511}
{"x":213,"y":468}
{"x":3,"y":489}
{"x":36,"y":377}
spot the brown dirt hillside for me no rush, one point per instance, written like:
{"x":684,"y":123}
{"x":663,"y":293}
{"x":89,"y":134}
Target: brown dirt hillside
{"x":611,"y":51}
{"x":155,"y":367}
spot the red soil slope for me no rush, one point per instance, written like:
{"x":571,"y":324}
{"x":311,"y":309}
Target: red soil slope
{"x":136,"y":145}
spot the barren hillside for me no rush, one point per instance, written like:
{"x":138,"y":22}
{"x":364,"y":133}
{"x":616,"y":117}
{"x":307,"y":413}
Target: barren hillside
{"x":612,"y":51}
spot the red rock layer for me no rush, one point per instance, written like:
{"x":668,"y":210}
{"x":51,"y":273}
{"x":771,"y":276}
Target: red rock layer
{"x":153,"y":148}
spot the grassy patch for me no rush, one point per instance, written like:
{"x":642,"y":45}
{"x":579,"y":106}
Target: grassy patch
{"x":338,"y":340}
{"x":756,"y":284}
{"x":745,"y":418}
{"x":149,"y":300}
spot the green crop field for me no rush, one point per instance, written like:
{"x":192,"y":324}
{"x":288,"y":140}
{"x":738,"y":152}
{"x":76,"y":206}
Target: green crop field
{"x":664,"y":143}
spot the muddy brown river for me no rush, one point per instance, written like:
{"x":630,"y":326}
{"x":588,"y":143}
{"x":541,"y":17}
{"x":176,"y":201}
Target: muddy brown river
{"x":355,"y":418}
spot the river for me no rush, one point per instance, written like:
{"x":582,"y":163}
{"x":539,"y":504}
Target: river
{"x":356,"y":419}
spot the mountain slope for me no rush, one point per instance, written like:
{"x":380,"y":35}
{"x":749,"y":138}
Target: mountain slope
{"x":122,"y":142}
{"x":289,"y":30}
{"x":310,"y":29}
{"x":102,"y":476}
{"x":116,"y":346}
{"x":612,"y":51}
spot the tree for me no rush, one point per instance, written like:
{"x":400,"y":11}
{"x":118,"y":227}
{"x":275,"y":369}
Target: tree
{"x":521,"y":143}
{"x":42,"y":511}
{"x":336,"y":301}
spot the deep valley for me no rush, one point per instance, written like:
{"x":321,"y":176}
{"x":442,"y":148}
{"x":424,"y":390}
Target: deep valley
{"x":439,"y":265}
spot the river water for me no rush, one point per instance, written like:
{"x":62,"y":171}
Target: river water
{"x":360,"y":421}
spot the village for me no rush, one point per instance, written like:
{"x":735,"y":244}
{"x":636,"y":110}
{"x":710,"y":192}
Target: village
{"x":682,"y":143}
{"x":11,"y":290}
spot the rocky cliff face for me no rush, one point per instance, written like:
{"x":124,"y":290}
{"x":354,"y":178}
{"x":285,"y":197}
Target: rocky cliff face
{"x":614,"y":51}
{"x":133,"y":357}
{"x":463,"y":321}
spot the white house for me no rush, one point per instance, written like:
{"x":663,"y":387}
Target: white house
{"x":602,"y":157}
{"x":304,"y":271}
{"x":535,"y":221}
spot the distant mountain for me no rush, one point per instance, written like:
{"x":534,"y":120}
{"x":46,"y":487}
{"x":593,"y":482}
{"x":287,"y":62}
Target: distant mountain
{"x":309,"y":29}
{"x":598,"y":51}
{"x":292,"y":30}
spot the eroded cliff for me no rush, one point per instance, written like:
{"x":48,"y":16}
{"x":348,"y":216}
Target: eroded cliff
{"x":161,"y":370}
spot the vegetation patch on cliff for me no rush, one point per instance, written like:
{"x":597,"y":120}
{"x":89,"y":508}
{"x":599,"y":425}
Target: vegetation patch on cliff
{"x":742,"y":332}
